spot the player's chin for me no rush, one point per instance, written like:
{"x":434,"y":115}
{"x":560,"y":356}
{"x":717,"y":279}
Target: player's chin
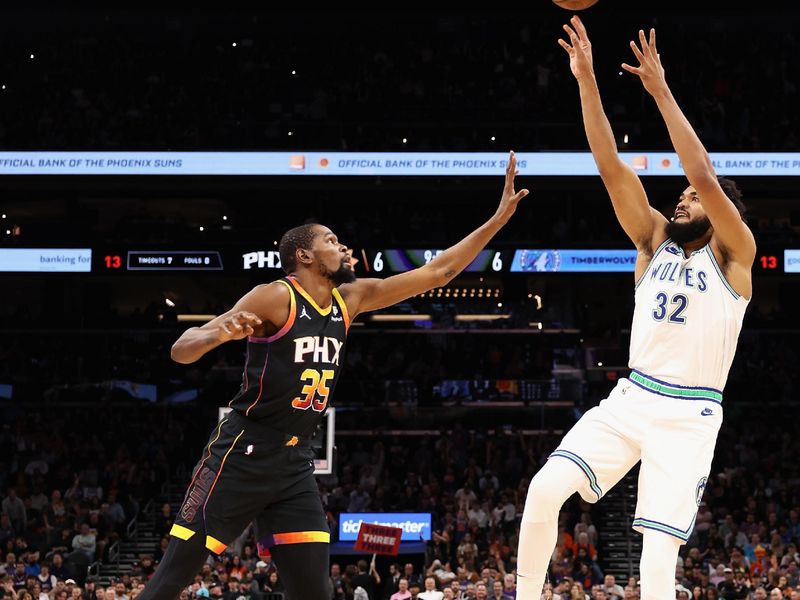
{"x":344,"y":274}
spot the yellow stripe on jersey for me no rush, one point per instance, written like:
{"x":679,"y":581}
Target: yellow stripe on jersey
{"x":215,"y":545}
{"x":181,"y":532}
{"x":341,"y":302}
{"x":307,"y":296}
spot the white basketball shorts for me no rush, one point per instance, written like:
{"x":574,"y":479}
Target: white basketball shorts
{"x":672,"y":429}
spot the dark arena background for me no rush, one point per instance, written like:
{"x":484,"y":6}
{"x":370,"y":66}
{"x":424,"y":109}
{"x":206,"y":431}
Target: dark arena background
{"x":150,"y":160}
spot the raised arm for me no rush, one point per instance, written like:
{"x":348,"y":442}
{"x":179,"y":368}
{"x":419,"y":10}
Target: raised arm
{"x":732,"y":235}
{"x":262,"y":311}
{"x":371,"y":294}
{"x":644,"y":225}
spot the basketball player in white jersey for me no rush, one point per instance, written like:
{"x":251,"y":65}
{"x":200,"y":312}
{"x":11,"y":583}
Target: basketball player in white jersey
{"x":692,"y":285}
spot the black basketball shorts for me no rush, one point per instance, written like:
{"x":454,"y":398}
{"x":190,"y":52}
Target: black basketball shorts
{"x":251,"y":473}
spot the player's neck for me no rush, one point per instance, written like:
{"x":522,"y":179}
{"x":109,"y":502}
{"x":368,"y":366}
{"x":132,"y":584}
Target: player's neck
{"x":690,"y":247}
{"x":319,"y":288}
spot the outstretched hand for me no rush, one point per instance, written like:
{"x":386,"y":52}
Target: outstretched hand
{"x":650,"y":70}
{"x":237,"y":326}
{"x":510,"y":198}
{"x":579,"y":48}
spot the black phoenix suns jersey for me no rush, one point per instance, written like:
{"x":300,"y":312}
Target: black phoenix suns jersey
{"x":289,"y":377}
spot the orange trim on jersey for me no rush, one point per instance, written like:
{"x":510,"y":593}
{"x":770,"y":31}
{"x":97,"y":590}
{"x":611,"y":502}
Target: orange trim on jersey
{"x":211,"y":490}
{"x":215,"y":545}
{"x":292,"y":315}
{"x":286,"y":326}
{"x":343,"y":306}
{"x":301,"y":537}
{"x":260,"y":386}
{"x":305,"y":294}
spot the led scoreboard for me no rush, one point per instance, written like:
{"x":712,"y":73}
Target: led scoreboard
{"x":243,"y":260}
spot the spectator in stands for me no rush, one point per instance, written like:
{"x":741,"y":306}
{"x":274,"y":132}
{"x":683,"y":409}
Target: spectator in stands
{"x":431,"y":592}
{"x":612,"y":589}
{"x":402,"y":592}
{"x":32,"y":566}
{"x":411,"y":576}
{"x":46,"y":579}
{"x":576,"y":592}
{"x":19,"y":576}
{"x":236,"y":570}
{"x":497,"y":592}
{"x":274,"y":583}
{"x":7,"y":531}
{"x":85,"y":541}
{"x":510,"y":585}
{"x":121,"y":591}
{"x":735,"y":537}
{"x":164,"y":519}
{"x":481,"y":591}
{"x":586,"y":525}
{"x":57,"y":568}
{"x":359,"y":500}
{"x":443,"y":573}
{"x":14,"y":507}
{"x":367,"y":579}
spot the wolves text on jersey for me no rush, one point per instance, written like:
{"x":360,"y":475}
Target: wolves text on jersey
{"x":689,"y":277}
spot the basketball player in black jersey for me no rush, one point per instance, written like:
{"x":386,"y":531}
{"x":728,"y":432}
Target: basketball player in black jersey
{"x":258,"y":463}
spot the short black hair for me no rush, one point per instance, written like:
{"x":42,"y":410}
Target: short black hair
{"x":297,"y":237}
{"x":733,"y":192}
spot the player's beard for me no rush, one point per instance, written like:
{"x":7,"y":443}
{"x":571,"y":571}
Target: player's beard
{"x":343,"y":274}
{"x":683,"y":233}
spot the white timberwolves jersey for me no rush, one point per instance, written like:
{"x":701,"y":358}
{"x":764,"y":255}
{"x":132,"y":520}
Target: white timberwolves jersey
{"x":687,"y":319}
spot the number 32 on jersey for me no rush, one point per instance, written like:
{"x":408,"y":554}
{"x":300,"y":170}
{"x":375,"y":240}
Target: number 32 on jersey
{"x":674,"y":306}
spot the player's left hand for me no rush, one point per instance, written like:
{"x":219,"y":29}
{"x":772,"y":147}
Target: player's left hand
{"x":510,"y":198}
{"x":650,"y":70}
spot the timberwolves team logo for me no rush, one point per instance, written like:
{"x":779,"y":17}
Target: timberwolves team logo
{"x":539,"y":261}
{"x":701,"y":488}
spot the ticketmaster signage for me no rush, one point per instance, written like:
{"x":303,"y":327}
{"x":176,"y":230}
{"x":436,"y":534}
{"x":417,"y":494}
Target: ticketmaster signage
{"x":373,"y":163}
{"x":573,"y":261}
{"x":414,"y":525}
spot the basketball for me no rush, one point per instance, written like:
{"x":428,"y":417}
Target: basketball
{"x":574,"y":4}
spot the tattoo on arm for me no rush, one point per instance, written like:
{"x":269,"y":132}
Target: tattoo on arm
{"x":450,"y":273}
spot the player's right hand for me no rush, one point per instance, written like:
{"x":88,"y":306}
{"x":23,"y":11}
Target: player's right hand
{"x":579,"y":48}
{"x":238,"y":326}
